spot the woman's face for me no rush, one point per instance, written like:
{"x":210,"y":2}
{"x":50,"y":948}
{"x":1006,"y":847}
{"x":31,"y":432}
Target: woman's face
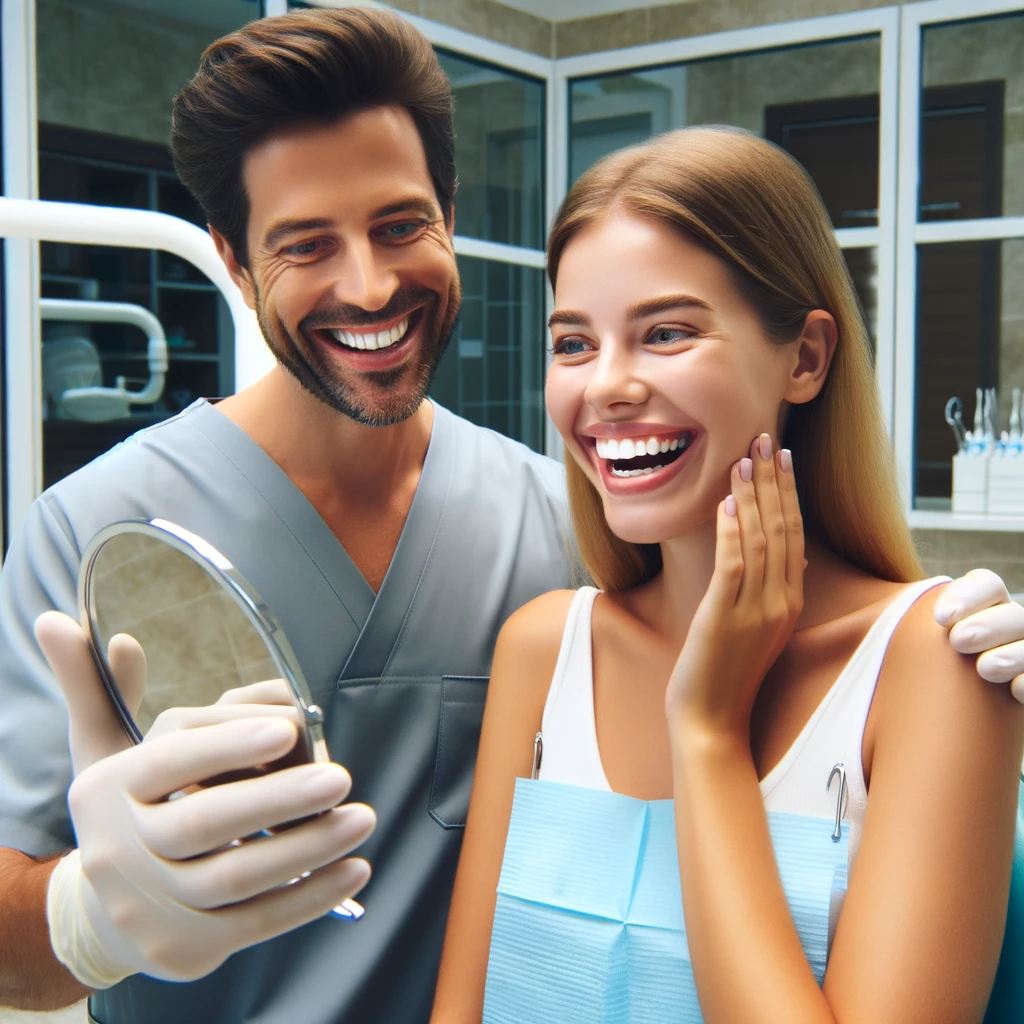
{"x":662,"y":374}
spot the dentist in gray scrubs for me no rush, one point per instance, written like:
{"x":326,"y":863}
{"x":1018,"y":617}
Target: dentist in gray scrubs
{"x":391,"y":538}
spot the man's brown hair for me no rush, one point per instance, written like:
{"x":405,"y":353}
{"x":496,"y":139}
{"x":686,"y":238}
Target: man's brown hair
{"x":312,"y":66}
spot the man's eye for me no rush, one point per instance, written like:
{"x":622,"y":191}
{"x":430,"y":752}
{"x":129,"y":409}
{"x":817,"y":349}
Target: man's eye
{"x":303,"y":248}
{"x":669,"y":335}
{"x":402,"y":230}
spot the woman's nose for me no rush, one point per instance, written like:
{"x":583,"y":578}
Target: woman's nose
{"x":615,"y":381}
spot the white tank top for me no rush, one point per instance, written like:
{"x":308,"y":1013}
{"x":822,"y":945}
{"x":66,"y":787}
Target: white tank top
{"x":797,"y":784}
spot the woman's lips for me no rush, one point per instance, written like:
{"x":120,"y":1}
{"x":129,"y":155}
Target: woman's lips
{"x":641,"y":481}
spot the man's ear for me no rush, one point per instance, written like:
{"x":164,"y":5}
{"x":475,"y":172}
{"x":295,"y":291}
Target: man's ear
{"x":814,"y":350}
{"x":239,"y":274}
{"x":450,"y":224}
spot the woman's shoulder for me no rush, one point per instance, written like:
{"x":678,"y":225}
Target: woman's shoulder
{"x":926,"y":682}
{"x":526,"y":653}
{"x":538,"y":625}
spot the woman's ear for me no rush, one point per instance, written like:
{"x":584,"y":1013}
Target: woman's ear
{"x":814,"y":350}
{"x":239,"y":274}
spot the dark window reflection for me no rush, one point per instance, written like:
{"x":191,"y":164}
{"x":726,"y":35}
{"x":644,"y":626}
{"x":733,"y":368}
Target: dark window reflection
{"x":499,"y":153}
{"x":493,"y":370}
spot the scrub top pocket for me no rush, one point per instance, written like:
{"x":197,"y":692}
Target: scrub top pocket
{"x":458,"y":736}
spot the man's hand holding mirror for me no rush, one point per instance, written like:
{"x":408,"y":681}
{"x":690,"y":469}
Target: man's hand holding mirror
{"x":194,"y":743}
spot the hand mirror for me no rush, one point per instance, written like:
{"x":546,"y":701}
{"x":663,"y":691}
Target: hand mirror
{"x":203,"y":627}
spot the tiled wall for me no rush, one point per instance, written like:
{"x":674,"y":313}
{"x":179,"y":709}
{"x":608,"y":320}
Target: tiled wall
{"x":953,"y":552}
{"x":613,"y":31}
{"x":111,"y":68}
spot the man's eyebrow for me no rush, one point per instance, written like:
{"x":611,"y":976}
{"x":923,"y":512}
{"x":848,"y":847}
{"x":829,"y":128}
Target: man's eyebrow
{"x":414,"y":204}
{"x":283,"y":228}
{"x":638,"y":311}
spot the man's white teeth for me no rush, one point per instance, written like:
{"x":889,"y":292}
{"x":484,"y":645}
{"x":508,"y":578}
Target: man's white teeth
{"x":372,"y":340}
{"x":628,"y":448}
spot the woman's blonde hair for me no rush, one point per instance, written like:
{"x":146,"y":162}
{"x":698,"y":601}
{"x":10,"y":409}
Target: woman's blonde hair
{"x":751,"y":205}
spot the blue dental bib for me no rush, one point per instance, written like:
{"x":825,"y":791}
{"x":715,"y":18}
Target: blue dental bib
{"x":589,"y":925}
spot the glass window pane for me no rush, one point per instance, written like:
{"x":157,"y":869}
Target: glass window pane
{"x":972,"y":119}
{"x":493,"y":370}
{"x":863,"y":267}
{"x":819,"y":102}
{"x":499,"y":153}
{"x":970,"y":334}
{"x":106,"y":76}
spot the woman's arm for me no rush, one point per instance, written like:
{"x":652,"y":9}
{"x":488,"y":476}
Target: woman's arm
{"x":524,"y":661}
{"x":919,"y":936}
{"x":920,"y":933}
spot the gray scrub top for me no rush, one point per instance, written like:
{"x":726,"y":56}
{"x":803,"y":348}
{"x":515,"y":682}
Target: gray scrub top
{"x":401,"y":676}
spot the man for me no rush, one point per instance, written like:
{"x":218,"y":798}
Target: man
{"x":391,"y":538}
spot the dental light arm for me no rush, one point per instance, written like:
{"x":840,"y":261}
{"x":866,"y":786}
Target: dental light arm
{"x":80,"y":310}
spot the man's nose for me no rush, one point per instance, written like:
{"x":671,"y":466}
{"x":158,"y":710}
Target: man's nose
{"x":615,"y":380}
{"x":365,"y":279}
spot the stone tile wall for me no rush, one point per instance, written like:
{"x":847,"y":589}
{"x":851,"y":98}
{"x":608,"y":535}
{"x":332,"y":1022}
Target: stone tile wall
{"x":953,"y":552}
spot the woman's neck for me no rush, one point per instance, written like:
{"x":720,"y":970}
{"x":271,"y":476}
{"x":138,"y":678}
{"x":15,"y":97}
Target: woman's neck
{"x":668,"y":602}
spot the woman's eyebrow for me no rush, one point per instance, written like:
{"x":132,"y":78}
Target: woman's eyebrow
{"x":569,"y":317}
{"x":662,"y":304}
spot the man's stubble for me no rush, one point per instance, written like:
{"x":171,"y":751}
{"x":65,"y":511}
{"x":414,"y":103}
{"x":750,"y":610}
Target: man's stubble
{"x":400,"y":391}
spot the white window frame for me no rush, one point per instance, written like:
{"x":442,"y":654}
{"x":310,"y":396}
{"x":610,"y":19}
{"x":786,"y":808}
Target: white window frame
{"x":911,"y":233}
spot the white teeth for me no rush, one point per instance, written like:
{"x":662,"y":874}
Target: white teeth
{"x":372,"y":340}
{"x":628,"y":448}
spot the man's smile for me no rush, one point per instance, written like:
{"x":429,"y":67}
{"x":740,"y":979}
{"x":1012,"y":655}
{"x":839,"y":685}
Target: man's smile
{"x":375,"y":337}
{"x":377,"y":346}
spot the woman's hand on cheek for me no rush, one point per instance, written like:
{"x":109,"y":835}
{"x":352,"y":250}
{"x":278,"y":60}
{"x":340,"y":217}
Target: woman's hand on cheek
{"x":755,"y":597}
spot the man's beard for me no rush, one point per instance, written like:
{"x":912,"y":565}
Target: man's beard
{"x":395,"y":393}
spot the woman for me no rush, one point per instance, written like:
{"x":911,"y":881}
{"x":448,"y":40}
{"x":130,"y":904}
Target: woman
{"x":701,"y":301}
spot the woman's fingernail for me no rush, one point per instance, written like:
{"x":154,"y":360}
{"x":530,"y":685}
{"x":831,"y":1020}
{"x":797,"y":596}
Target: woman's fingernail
{"x":746,"y":470}
{"x":730,"y":505}
{"x":764,"y":443}
{"x":786,"y":460}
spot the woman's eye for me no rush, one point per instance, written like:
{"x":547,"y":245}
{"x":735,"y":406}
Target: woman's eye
{"x":669,"y":335}
{"x":568,"y":346}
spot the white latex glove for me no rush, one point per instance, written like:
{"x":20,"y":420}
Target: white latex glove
{"x":158,"y":886}
{"x":985,"y":621}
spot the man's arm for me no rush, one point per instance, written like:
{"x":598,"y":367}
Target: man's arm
{"x":31,"y":978}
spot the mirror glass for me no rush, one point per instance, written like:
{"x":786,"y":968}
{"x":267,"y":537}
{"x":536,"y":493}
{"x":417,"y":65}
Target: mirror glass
{"x":198,"y":641}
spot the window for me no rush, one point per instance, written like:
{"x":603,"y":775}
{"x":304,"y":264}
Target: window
{"x":962,"y":235}
{"x":493,"y":370}
{"x":106,"y":75}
